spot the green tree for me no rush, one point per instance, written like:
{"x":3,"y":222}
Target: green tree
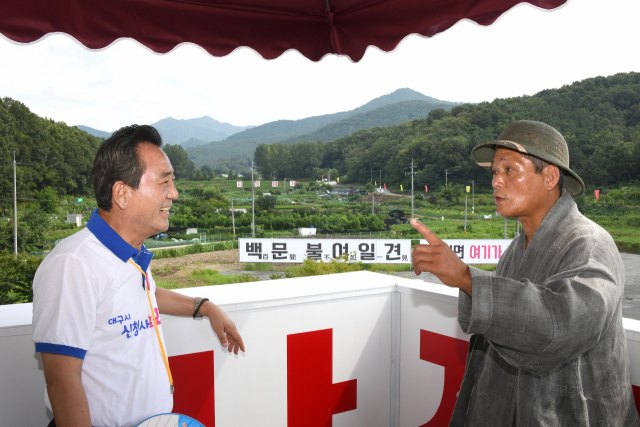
{"x":16,"y":280}
{"x":47,"y":199}
{"x":182,"y":166}
{"x":265,"y":203}
{"x":38,"y":222}
{"x":51,"y":153}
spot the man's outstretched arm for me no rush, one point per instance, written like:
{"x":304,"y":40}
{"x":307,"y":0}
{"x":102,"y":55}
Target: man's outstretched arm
{"x":438,"y":258}
{"x":63,"y":375}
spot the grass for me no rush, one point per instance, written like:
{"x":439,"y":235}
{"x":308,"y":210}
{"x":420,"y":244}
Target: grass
{"x":454,"y":228}
{"x":386,"y":267}
{"x":258,"y":266}
{"x":208,"y":276}
{"x":317,"y":268}
{"x":53,"y":235}
{"x":196,"y":248}
{"x":485,"y":267}
{"x":168,"y":284}
{"x":204,"y":277}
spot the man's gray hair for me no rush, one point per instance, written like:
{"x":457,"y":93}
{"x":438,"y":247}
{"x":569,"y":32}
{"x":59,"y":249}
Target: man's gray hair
{"x":541,"y":164}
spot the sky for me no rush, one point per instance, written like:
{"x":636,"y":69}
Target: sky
{"x":527,"y":50}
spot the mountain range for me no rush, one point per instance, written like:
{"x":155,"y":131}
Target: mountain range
{"x":210,"y":142}
{"x":188,"y":133}
{"x":397,"y":107}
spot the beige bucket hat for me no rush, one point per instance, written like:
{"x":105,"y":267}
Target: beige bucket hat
{"x":536,"y":139}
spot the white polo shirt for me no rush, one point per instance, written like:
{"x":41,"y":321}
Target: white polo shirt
{"x":89,"y":302}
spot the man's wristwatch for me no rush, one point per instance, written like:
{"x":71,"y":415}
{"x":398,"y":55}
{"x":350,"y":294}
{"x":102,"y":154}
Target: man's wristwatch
{"x":196,"y":306}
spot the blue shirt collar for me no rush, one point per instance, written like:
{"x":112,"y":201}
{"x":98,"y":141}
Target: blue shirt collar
{"x":116,"y":244}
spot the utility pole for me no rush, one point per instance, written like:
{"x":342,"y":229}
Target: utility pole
{"x":371,"y":180}
{"x":505,"y":227}
{"x":412,"y":216}
{"x":233,"y":220}
{"x":329,"y":174}
{"x":412,"y":173}
{"x":253,"y":204}
{"x":473,"y":200}
{"x":15,"y":210}
{"x":373,"y":196}
{"x":446,"y":177}
{"x":466,"y":196}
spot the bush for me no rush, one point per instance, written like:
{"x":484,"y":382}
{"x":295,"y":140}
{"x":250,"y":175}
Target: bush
{"x":469,"y":227}
{"x":16,"y":281}
{"x":213,"y":277}
{"x":258,"y":266}
{"x":312,"y":267}
{"x":196,"y":248}
{"x":628,"y":247}
{"x":266,"y":202}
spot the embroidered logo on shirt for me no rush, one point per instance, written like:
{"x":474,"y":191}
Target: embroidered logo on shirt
{"x":134,"y":328}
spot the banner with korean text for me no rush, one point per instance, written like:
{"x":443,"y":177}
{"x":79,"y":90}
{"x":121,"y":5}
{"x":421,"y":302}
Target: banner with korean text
{"x":375,"y":251}
{"x":477,"y":251}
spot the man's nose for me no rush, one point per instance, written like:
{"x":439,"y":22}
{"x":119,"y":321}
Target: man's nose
{"x":497,"y":181}
{"x":173,"y":192}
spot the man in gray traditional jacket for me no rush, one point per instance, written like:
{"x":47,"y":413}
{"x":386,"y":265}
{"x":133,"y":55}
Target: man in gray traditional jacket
{"x":548,"y":345}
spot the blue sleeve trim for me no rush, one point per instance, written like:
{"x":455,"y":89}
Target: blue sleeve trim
{"x":66,"y":350}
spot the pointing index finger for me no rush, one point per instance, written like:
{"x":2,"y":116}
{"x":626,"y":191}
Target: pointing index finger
{"x":426,"y":233}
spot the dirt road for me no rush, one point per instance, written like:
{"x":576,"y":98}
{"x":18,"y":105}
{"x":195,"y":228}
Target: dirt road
{"x":229,"y":257}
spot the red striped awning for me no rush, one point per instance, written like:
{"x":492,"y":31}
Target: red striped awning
{"x":271,"y":27}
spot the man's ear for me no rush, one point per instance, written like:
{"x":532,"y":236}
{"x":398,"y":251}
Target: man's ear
{"x":120,"y":194}
{"x":552,"y":177}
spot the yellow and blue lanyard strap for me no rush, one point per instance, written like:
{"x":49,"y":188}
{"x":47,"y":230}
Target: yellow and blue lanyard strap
{"x":155,"y":324}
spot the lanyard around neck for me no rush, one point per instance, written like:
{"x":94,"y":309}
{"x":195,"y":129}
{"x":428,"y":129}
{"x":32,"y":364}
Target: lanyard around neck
{"x":155,"y":324}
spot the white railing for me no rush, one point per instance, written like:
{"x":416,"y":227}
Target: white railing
{"x":357,"y":349}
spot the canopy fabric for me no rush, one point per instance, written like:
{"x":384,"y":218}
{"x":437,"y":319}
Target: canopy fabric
{"x":315,"y":28}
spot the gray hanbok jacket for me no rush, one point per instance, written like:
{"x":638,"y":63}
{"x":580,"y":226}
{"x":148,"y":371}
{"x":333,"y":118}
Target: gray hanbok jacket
{"x":549,"y":348}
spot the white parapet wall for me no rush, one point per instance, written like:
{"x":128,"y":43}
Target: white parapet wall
{"x":353,"y":349}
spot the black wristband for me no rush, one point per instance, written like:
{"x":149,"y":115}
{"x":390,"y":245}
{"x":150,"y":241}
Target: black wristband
{"x":196,"y":313}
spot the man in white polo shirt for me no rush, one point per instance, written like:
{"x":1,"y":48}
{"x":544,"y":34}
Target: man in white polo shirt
{"x":96,"y":308}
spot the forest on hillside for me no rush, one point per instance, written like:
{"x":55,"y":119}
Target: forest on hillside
{"x":54,"y":159}
{"x":599,"y":117}
{"x":384,"y":116}
{"x":396,"y":107}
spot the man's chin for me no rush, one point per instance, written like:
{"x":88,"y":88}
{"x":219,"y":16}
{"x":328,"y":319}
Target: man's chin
{"x":161,"y":227}
{"x":500,"y":210}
